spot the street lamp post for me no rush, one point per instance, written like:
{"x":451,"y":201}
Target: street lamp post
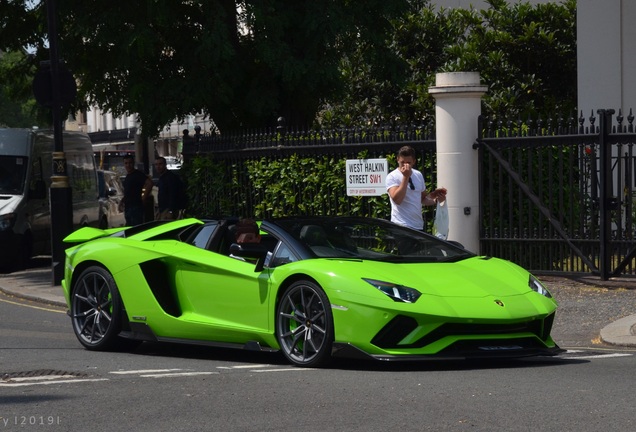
{"x":60,"y":194}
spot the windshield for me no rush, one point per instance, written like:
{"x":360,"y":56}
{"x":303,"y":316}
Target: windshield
{"x":367,"y":238}
{"x":12,"y":174}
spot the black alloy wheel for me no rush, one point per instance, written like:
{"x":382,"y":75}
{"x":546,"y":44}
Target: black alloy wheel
{"x":304,"y":325}
{"x":96,"y":309}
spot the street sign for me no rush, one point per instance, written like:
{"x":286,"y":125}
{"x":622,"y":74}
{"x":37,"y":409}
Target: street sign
{"x":42,"y":86}
{"x":366,"y":177}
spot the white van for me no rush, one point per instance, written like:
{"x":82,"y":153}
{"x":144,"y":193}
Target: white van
{"x":25,"y":179}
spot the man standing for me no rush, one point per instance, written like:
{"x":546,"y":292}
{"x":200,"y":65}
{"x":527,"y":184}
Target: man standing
{"x":137,"y":187}
{"x":407,"y":190}
{"x":170,"y":195}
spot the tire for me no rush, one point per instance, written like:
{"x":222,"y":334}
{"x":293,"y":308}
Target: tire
{"x":304,"y":325}
{"x":96,"y":310}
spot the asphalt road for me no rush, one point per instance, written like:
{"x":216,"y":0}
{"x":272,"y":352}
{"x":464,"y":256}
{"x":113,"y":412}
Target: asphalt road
{"x":49,"y":382}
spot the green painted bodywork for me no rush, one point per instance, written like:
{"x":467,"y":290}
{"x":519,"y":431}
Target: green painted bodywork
{"x":222,"y":299}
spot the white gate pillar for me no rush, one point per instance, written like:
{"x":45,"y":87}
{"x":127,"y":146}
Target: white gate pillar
{"x":457,"y":109}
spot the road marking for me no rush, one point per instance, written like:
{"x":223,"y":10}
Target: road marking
{"x":39,"y":378}
{"x":593,"y":353}
{"x":597,"y":356}
{"x":160,"y":373}
{"x":244,"y":366}
{"x":282,"y":370}
{"x":177,"y":374}
{"x":143,"y":371}
{"x":24,"y":381}
{"x":32,"y":307}
{"x":69,"y":381}
{"x":255,"y":368}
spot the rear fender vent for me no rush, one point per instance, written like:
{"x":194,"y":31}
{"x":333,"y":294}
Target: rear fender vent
{"x":161,"y":284}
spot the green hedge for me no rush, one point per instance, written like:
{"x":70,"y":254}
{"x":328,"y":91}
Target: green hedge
{"x":266,"y":187}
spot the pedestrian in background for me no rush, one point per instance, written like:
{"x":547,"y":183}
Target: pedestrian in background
{"x":407,"y":191}
{"x":171,"y":192}
{"x":137,"y":188}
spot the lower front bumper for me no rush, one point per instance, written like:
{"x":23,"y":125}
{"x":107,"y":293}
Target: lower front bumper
{"x":461,"y":350}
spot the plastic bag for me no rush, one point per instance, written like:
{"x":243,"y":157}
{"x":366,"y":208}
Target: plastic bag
{"x":440,"y":225}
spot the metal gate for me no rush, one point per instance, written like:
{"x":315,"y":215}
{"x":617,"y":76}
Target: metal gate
{"x":557,"y":195}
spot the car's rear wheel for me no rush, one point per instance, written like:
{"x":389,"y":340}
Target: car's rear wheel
{"x":96,"y":309}
{"x":304,"y":325}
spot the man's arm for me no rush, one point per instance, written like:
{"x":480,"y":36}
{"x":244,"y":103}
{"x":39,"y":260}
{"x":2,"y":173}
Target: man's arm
{"x":438,"y":195}
{"x":397,"y":193}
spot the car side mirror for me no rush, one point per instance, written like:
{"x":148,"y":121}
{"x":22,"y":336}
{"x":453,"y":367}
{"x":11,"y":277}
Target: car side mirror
{"x":250,"y":250}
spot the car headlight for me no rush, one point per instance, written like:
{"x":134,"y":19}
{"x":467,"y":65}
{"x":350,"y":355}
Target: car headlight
{"x":538,"y":287}
{"x":7,"y":221}
{"x":396,"y":292}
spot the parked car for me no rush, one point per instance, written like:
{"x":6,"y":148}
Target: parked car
{"x":173,"y":163}
{"x":26,"y":163}
{"x":111,"y":193}
{"x":313,"y":288}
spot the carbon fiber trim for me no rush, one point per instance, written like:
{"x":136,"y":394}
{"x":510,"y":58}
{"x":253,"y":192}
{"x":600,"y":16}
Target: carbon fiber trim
{"x":399,"y":327}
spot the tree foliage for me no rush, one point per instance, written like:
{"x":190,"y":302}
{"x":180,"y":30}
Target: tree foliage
{"x":241,"y":62}
{"x":526,"y":54}
{"x":21,"y":26}
{"x":245,"y":63}
{"x":17,"y":105}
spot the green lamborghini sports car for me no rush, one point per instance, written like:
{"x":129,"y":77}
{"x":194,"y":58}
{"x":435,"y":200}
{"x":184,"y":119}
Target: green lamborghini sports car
{"x":313,"y":288}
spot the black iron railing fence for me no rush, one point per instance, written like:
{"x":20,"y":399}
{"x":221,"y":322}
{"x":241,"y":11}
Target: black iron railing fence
{"x":556,"y":195}
{"x":309,"y":164}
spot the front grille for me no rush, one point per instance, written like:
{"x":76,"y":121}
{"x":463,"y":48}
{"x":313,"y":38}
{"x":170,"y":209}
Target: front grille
{"x":400,"y":326}
{"x":495,"y":348}
{"x":396,"y":330}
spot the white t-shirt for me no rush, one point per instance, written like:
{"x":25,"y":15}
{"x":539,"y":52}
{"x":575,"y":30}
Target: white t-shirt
{"x":409,"y":212}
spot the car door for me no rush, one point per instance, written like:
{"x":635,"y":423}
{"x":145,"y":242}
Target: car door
{"x":222,"y":291}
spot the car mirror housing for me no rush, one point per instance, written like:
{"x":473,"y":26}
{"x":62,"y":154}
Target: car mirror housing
{"x":252,"y":251}
{"x":248,"y":250}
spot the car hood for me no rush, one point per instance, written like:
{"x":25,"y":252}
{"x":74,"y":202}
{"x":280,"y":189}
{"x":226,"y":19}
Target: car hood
{"x":473,"y":277}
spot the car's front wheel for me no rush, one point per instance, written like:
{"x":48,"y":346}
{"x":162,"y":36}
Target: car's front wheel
{"x":96,"y":309}
{"x":304,"y":325}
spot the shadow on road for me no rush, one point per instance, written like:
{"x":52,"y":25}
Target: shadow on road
{"x":252,"y":357}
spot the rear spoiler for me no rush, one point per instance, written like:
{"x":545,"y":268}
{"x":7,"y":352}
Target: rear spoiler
{"x":139,"y":232}
{"x":85,"y":234}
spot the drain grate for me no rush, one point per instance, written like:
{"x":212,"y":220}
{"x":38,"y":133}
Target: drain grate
{"x":7,"y":377}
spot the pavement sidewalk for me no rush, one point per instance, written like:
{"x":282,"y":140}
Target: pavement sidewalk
{"x":37,"y":284}
{"x":33,"y":284}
